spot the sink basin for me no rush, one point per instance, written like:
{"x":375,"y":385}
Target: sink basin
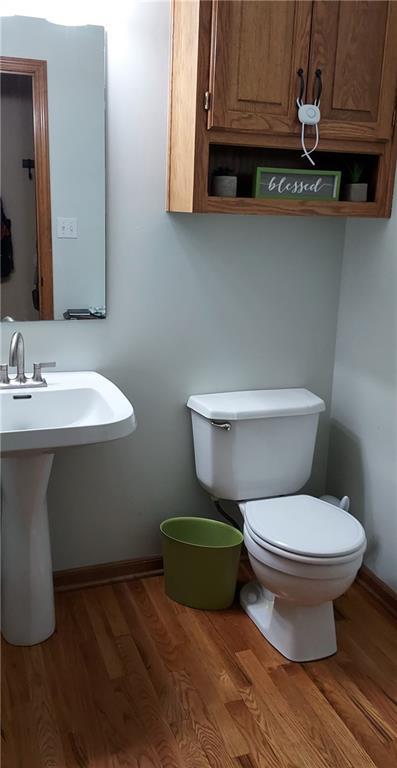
{"x":76,"y":408}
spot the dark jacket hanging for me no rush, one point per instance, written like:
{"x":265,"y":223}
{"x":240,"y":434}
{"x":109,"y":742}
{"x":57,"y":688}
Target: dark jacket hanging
{"x":7,"y":261}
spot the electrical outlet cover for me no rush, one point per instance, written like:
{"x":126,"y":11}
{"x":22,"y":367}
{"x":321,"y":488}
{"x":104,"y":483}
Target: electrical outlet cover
{"x":66,"y":227}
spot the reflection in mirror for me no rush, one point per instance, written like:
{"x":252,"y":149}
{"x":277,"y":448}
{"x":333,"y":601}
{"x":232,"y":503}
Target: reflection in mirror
{"x":52,"y":170}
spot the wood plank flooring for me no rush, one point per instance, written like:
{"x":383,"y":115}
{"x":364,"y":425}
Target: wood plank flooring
{"x":132,"y":680}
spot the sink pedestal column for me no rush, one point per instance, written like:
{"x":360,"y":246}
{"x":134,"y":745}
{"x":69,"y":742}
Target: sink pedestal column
{"x":28,"y":615}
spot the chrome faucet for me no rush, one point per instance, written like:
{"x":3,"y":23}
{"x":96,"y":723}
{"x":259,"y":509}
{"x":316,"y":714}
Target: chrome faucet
{"x":17,"y":356}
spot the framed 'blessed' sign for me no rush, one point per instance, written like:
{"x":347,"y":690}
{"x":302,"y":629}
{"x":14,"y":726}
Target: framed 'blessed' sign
{"x":293,"y":184}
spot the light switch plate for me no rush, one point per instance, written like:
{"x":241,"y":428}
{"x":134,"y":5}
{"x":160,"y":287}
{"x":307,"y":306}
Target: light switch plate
{"x":66,"y":227}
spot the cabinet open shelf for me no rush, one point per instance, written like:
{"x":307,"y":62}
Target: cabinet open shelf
{"x":243,"y":161}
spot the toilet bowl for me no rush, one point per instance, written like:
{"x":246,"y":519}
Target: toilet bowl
{"x":305,"y":553}
{"x":256,"y":448}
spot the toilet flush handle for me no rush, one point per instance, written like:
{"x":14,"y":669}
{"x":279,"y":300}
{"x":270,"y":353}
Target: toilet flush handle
{"x":225,"y":425}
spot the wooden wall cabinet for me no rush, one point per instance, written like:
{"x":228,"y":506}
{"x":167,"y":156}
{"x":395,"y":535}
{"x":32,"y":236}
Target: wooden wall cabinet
{"x":256,"y":50}
{"x":234,"y":84}
{"x":355,"y":45}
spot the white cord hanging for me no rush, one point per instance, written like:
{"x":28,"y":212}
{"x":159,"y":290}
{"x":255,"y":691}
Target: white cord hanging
{"x":309,"y":114}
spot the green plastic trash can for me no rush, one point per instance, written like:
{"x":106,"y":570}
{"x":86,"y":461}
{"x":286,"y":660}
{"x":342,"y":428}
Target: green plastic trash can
{"x":201,"y":559}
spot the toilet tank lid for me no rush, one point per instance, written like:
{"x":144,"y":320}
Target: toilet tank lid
{"x":256,"y":404}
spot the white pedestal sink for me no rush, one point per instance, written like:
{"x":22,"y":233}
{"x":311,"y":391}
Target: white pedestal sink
{"x":74,"y":409}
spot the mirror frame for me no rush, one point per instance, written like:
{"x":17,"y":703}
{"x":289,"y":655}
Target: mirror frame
{"x":37,"y":70}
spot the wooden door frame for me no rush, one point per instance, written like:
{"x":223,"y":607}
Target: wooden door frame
{"x":37,"y":70}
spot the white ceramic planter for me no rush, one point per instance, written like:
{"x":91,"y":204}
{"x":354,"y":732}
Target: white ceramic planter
{"x":355,"y":193}
{"x":224,"y":186}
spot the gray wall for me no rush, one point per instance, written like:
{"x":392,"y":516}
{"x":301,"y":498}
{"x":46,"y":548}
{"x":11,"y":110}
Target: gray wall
{"x":363,"y":446}
{"x":196,"y":304}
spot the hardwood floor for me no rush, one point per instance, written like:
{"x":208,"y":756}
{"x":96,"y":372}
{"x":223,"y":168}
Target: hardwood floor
{"x":131,"y":679}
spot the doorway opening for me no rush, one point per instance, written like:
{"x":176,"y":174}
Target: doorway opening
{"x":25,"y":190}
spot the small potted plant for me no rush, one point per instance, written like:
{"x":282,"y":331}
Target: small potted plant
{"x":224,"y":183}
{"x":356,"y":191}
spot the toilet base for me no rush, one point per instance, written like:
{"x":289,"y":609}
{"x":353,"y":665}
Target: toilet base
{"x":299,"y":632}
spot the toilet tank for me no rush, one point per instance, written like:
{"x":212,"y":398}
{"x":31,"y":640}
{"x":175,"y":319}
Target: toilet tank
{"x":254,"y":444}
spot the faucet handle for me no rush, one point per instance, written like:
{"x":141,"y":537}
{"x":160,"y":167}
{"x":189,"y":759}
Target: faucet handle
{"x":37,"y":370}
{"x":4,"y":377}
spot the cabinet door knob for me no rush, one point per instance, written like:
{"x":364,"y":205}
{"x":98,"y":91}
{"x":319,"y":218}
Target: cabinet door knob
{"x":300,"y":74}
{"x":318,"y":87}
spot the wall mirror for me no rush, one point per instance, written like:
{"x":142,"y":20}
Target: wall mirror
{"x":52,"y":89}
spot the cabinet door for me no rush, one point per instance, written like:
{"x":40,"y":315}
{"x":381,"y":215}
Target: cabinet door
{"x":355,"y":46}
{"x":256,"y":49}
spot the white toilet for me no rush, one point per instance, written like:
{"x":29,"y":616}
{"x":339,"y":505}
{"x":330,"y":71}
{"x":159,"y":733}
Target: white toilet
{"x":256,"y":448}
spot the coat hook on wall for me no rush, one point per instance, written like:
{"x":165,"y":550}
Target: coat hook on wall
{"x":29,"y":164}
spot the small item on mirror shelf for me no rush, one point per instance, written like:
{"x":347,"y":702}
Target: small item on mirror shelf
{"x":98,"y":311}
{"x":355,"y":191}
{"x":89,"y":313}
{"x":224,"y":183}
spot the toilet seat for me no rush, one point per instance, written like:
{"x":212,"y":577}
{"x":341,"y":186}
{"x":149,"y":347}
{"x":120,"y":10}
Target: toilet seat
{"x":266,"y":548}
{"x":298,"y":565}
{"x":303,"y":528}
